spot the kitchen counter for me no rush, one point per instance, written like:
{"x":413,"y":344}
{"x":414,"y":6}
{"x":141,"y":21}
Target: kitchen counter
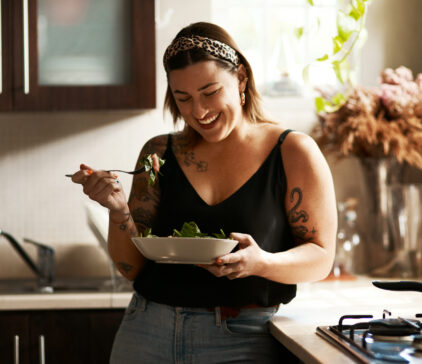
{"x":68,"y":300}
{"x":323,"y":303}
{"x":294,"y":325}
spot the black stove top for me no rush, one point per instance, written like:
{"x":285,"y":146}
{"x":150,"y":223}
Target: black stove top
{"x":375,"y":341}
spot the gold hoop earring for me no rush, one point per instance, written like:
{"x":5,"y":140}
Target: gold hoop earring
{"x":243,"y":99}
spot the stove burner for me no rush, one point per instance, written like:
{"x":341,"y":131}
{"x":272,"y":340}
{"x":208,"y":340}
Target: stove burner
{"x":385,"y":340}
{"x":393,"y":327}
{"x":417,"y":343}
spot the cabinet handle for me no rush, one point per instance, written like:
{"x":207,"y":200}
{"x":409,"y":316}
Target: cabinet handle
{"x":16,"y":349}
{"x":42,"y":349}
{"x":25,"y":48}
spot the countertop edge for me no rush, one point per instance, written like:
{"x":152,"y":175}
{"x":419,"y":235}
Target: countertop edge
{"x":293,"y":346}
{"x":63,"y":301}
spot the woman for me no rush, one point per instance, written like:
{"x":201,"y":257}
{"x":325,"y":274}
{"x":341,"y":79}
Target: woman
{"x":229,"y":169}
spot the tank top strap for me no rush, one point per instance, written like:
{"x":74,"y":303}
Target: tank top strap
{"x":283,"y":136}
{"x":169,"y":142}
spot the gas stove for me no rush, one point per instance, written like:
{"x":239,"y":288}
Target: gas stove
{"x":387,"y":339}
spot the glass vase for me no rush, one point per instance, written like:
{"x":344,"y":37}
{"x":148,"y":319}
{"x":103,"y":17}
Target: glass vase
{"x":378,"y":174}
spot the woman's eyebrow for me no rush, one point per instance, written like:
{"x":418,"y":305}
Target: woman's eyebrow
{"x":199,"y":89}
{"x":207,"y":85}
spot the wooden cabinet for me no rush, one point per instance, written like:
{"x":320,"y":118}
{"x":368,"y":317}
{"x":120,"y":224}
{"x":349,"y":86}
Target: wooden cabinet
{"x":14,"y":338}
{"x":58,"y":336}
{"x":77,"y":55}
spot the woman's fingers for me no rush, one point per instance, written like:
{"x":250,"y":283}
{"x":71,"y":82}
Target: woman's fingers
{"x":102,"y":194}
{"x":98,"y":181}
{"x":155,"y":162}
{"x":244,"y":262}
{"x":82,"y":175}
{"x":101,"y":186}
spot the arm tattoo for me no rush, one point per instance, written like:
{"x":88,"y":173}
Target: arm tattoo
{"x":299,"y":216}
{"x":143,"y":218}
{"x":144,"y":193}
{"x":153,"y":146}
{"x":124,"y":225}
{"x":181,"y":143}
{"x":125,"y":267}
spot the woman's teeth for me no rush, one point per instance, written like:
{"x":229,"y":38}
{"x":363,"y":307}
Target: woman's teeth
{"x":208,"y":120}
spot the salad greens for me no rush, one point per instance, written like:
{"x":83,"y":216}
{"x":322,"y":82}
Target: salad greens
{"x":188,"y":230}
{"x":147,"y":162}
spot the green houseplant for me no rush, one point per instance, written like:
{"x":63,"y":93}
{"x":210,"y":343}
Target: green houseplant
{"x":350,"y":36}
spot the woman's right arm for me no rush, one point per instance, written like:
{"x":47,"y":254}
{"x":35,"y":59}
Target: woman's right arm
{"x":126,"y":218}
{"x":137,"y":215}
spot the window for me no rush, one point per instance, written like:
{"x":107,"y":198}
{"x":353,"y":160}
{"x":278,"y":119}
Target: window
{"x":280,"y":38}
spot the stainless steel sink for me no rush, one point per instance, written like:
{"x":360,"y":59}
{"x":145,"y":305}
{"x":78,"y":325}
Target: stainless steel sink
{"x":90,"y":285}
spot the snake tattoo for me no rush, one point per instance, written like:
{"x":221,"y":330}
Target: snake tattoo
{"x":298,"y":216}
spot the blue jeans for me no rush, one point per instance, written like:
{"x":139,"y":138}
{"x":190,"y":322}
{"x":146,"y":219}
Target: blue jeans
{"x":154,"y":333}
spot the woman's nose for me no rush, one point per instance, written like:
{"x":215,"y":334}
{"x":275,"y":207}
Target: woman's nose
{"x":199,"y":110}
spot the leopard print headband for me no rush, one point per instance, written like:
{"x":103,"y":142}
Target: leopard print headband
{"x":214,"y":47}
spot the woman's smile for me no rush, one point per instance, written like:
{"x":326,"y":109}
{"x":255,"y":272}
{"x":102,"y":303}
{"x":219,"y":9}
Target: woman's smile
{"x":209,"y":121}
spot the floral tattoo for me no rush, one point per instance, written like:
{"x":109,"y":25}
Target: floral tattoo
{"x":201,"y":166}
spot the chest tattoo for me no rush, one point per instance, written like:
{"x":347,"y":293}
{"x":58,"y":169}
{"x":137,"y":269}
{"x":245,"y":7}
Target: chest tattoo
{"x":180,"y":147}
{"x":189,"y":160}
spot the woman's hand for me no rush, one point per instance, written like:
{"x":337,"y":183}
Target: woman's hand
{"x":249,"y":260}
{"x":103,"y":187}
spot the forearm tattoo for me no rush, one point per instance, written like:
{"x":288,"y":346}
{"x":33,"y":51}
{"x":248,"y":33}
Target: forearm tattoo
{"x":125,"y":267}
{"x":128,"y":226}
{"x":297,"y":217}
{"x":143,"y":192}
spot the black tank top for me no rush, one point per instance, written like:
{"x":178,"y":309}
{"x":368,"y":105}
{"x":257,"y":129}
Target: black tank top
{"x":256,"y":208}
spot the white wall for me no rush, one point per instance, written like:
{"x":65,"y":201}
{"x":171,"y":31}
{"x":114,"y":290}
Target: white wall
{"x":394,"y":38}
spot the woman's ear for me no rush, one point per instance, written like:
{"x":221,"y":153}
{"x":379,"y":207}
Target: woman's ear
{"x":242,"y":77}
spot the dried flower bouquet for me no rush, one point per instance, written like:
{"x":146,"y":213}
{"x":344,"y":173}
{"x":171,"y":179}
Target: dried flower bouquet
{"x":377,"y":122}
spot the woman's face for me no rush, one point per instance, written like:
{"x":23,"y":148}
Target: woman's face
{"x":208,"y":98}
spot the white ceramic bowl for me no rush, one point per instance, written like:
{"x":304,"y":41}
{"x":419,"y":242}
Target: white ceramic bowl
{"x":184,"y":250}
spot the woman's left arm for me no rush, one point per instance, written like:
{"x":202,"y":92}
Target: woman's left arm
{"x":311,"y":210}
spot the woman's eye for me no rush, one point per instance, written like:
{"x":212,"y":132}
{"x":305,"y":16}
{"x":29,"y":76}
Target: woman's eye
{"x":183,"y":100}
{"x":212,"y":93}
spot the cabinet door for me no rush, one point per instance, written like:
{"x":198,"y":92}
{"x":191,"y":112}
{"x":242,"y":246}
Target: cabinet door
{"x":5,"y":56}
{"x":14,"y":338}
{"x":83,"y":54}
{"x":74,"y":336}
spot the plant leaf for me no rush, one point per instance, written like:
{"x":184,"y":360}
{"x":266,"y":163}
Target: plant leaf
{"x":346,"y":25}
{"x":323,"y":58}
{"x":337,"y":44}
{"x":311,"y":2}
{"x":341,"y":69}
{"x":338,"y":99}
{"x":299,"y":32}
{"x":319,"y":104}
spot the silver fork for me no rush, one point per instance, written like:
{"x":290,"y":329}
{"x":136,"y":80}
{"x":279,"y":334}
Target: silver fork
{"x":136,"y":171}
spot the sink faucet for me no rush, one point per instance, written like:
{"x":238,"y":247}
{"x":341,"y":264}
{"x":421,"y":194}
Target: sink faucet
{"x":45,"y":268}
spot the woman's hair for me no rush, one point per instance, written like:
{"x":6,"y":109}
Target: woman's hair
{"x":252,"y":107}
